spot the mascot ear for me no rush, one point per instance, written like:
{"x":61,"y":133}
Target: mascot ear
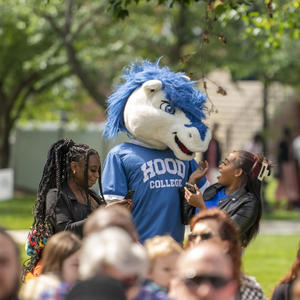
{"x":152,"y":86}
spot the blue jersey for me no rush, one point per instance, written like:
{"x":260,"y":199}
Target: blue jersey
{"x":213,"y":202}
{"x":155,"y":176}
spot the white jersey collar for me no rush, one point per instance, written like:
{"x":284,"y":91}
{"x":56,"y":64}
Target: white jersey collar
{"x":139,"y":143}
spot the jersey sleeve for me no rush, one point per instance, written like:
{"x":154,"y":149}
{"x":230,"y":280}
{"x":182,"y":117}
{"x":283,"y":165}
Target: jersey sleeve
{"x":114,"y":180}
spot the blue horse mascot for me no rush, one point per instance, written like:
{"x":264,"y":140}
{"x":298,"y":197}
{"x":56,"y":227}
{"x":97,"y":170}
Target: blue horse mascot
{"x":162,"y":112}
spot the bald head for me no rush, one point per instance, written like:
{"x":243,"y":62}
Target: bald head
{"x":205,"y":272}
{"x":212,"y":258}
{"x":115,"y":215}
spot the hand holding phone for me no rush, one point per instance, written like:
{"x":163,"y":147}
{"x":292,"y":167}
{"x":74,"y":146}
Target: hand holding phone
{"x":190,"y":187}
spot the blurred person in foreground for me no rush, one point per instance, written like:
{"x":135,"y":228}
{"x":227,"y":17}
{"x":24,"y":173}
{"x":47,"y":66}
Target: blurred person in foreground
{"x":60,"y":261}
{"x":204,"y":272}
{"x":217,"y":227}
{"x":116,"y":216}
{"x":163,"y":252}
{"x":112,"y":253}
{"x":97,"y":288}
{"x":9,"y":267}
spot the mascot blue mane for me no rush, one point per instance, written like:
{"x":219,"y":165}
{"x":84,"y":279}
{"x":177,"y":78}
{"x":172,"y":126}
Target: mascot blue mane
{"x":180,"y":92}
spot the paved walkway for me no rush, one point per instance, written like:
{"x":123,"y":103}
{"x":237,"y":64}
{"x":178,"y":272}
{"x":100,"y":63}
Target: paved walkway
{"x":280,"y":227}
{"x":267,"y":227}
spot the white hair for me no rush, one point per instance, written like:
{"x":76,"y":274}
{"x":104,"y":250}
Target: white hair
{"x":112,"y":247}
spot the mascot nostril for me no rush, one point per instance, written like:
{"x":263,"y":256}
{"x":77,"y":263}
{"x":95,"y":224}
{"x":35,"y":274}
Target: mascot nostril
{"x":162,"y":112}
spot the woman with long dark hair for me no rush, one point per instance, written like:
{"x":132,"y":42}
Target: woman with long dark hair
{"x":283,"y":289}
{"x":64,"y":198}
{"x":237,"y":192}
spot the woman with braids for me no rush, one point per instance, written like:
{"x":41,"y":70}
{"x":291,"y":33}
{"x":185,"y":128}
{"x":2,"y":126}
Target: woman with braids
{"x":64,"y":198}
{"x":237,"y":192}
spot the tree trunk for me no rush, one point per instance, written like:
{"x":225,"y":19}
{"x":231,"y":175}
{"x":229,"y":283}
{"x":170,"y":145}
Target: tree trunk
{"x":179,"y":31}
{"x":87,"y":82}
{"x":4,"y":143}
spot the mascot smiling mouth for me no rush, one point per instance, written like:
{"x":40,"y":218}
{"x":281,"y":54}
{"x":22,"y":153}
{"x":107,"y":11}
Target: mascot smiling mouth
{"x":182,"y":147}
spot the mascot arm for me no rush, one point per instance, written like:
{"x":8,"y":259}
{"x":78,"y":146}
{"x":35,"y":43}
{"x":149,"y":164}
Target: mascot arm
{"x":114,"y":180}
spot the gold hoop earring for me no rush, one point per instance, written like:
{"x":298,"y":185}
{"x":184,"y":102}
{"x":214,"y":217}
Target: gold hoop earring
{"x":74,"y":172}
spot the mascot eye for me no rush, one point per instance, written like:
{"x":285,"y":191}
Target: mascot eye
{"x":165,"y":105}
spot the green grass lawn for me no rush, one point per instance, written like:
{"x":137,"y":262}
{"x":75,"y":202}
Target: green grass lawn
{"x":269,"y":257}
{"x":17,"y":213}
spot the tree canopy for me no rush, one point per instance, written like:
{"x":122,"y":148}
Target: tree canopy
{"x":54,"y":53}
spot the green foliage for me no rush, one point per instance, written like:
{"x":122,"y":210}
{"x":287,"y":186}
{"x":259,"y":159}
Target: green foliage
{"x":121,"y":8}
{"x":270,"y":30}
{"x":66,"y":52}
{"x":269,"y":258}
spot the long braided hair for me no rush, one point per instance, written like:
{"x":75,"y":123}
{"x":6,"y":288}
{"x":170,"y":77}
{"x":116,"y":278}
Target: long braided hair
{"x":56,"y":172}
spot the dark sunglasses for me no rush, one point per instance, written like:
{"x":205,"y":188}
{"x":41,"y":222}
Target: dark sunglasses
{"x":215,"y":281}
{"x":203,"y":236}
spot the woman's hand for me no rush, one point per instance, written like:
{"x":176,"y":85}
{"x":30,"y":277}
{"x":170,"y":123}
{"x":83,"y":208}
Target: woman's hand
{"x":195,"y":199}
{"x":199,"y":172}
{"x":127,"y":203}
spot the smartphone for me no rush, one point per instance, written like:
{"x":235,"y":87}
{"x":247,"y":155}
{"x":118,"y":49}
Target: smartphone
{"x":190,"y":187}
{"x":129,"y":194}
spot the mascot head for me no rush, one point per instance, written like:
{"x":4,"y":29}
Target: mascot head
{"x":160,"y":108}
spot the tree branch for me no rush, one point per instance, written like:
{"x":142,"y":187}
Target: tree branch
{"x":77,"y":67}
{"x":32,"y":90}
{"x":51,"y":20}
{"x":3,"y":97}
{"x":84,"y":22}
{"x":68,"y":16}
{"x":20,"y":108}
{"x":51,"y":82}
{"x":23,"y":84}
{"x":87,"y":82}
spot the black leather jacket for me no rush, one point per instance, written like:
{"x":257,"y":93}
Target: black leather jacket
{"x":283,"y":291}
{"x":65,"y":212}
{"x":243,"y":207}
